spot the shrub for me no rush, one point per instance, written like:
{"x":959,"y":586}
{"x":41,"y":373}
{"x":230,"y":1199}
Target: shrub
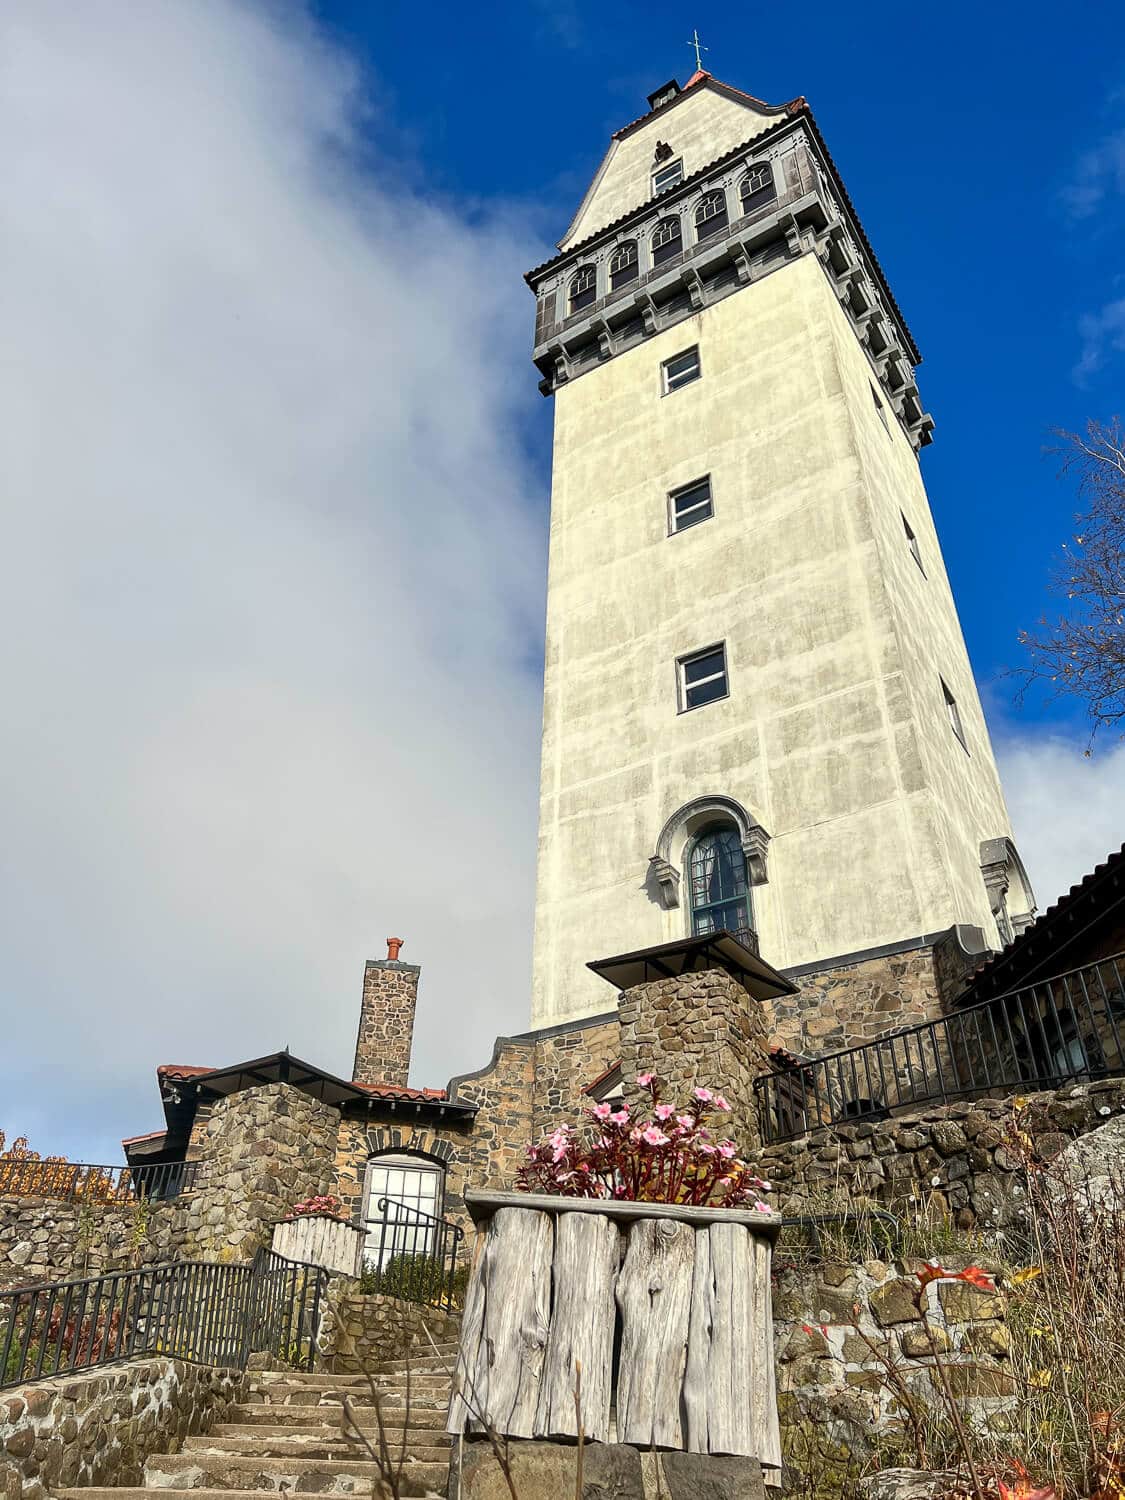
{"x":670,"y":1158}
{"x":416,"y":1278}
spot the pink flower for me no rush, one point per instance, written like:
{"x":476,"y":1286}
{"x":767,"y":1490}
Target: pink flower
{"x":720,"y":1102}
{"x":643,"y":1080}
{"x":621,"y":1116}
{"x":704,"y":1096}
{"x":654,"y":1137}
{"x":602,"y":1111}
{"x":664,"y":1111}
{"x":685,"y":1120}
{"x":762,"y":1208}
{"x":727,"y":1149}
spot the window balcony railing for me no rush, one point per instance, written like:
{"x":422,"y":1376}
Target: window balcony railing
{"x":413,"y":1255}
{"x":82,"y":1182}
{"x":1063,"y":1030}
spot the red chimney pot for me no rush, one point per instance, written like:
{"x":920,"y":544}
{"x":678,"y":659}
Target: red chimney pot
{"x":393,"y":945}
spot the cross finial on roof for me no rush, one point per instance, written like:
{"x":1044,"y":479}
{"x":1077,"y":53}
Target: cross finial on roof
{"x":699,"y":47}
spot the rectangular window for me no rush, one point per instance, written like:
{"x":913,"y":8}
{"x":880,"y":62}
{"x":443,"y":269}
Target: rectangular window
{"x":680,"y":370}
{"x":954,"y":713}
{"x":689,"y":505}
{"x":912,"y":543}
{"x":703,"y":677}
{"x":880,"y":408}
{"x":667,"y":176}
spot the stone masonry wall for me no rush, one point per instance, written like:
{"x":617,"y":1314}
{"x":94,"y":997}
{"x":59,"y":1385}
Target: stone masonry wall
{"x":701,"y":1028}
{"x":956,"y":1158}
{"x":362,"y":1331}
{"x":386,"y":1022}
{"x":47,"y":1239}
{"x":265,"y":1149}
{"x":98,"y":1428}
{"x":854,"y":1003}
{"x":836,"y":1324}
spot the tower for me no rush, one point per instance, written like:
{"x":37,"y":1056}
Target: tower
{"x":759,"y":712}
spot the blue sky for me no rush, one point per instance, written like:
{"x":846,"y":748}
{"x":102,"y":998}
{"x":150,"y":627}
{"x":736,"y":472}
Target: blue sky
{"x":271,"y":595}
{"x":983,"y":145}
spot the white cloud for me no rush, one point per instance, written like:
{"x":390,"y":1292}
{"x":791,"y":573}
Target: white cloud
{"x":272,"y":572}
{"x":1068,"y":811}
{"x":1099,"y":173}
{"x":1101,"y":332}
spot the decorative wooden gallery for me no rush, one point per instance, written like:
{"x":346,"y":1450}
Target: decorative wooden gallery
{"x":682,"y":1294}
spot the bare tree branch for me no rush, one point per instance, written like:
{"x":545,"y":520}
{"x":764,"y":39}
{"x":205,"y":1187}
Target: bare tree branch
{"x":1081,"y":653}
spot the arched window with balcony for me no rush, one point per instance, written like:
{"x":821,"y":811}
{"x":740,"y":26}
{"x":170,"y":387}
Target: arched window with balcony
{"x":719,"y":887}
{"x":623,"y":265}
{"x":667,"y":240}
{"x":757,"y":188}
{"x":711,"y":214}
{"x":583,"y":288}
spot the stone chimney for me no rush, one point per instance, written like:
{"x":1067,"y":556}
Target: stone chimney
{"x":698,"y":1028}
{"x":386,"y":1019}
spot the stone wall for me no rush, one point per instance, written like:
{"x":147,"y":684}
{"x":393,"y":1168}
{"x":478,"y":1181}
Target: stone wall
{"x":836,"y":1327}
{"x":265,"y":1149}
{"x":700,"y":1028}
{"x":852,"y":1003}
{"x":48,"y":1239}
{"x":386,"y":1022}
{"x":956,"y":1158}
{"x":362,"y":1331}
{"x":98,"y":1428}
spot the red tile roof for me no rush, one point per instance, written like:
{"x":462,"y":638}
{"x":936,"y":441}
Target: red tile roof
{"x":153,"y":1135}
{"x":180,"y":1070}
{"x":397,"y":1091}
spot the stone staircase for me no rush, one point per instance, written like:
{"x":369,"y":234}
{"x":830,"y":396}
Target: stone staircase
{"x":288,"y":1436}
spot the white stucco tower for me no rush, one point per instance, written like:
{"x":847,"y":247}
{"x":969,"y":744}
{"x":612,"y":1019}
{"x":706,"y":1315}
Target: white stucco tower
{"x":759,"y":712}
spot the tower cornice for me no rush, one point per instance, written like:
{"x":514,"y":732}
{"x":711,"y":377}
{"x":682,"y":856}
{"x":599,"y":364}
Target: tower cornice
{"x":810,"y":212}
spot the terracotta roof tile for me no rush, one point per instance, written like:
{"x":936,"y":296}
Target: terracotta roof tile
{"x":153,"y":1135}
{"x":180,"y":1070}
{"x":395,"y":1091}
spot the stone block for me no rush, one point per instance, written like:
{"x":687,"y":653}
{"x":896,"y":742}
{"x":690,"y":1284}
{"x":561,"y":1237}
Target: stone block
{"x":700,"y":1476}
{"x":988,"y":1339}
{"x":893,"y":1302}
{"x":916,"y":1342}
{"x":962,"y":1302}
{"x":547,"y":1471}
{"x":980,"y":1380}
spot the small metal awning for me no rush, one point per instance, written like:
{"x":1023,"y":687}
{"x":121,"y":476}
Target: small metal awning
{"x":712,"y":950}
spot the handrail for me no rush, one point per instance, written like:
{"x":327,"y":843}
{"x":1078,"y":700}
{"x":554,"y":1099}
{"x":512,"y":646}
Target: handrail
{"x":1062,"y":1029}
{"x":205,"y":1312}
{"x":412,"y":1254}
{"x":90,"y":1182}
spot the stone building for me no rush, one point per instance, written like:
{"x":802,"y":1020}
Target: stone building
{"x":759,"y":712}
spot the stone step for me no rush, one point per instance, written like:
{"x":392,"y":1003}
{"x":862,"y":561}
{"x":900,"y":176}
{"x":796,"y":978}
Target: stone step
{"x":431,"y":1420}
{"x":304,"y":1416}
{"x":282,"y":1395}
{"x":444,"y":1367}
{"x":422,"y":1444}
{"x":322,"y":1476}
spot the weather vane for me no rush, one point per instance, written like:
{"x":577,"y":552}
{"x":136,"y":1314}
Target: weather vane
{"x":699,"y":47}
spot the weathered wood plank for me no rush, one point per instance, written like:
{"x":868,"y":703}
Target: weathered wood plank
{"x":654,"y":1295}
{"x":730,"y":1426}
{"x":516,"y":1279}
{"x":763,"y":1398}
{"x":462,"y":1401}
{"x":587,"y":1254}
{"x":483,"y":1202}
{"x":701,"y":1321}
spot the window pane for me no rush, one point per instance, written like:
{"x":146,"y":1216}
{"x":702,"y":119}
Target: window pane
{"x":681,"y":370}
{"x":667,"y":176}
{"x":691,"y":505}
{"x":704,"y":666}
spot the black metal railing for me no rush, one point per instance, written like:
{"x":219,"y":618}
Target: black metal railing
{"x":413,"y":1255}
{"x":1062,"y":1030}
{"x":200,"y":1311}
{"x":83,"y":1182}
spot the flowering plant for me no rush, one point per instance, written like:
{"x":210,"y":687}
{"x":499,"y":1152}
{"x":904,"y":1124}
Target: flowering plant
{"x":326,"y":1204}
{"x":670,"y":1158}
